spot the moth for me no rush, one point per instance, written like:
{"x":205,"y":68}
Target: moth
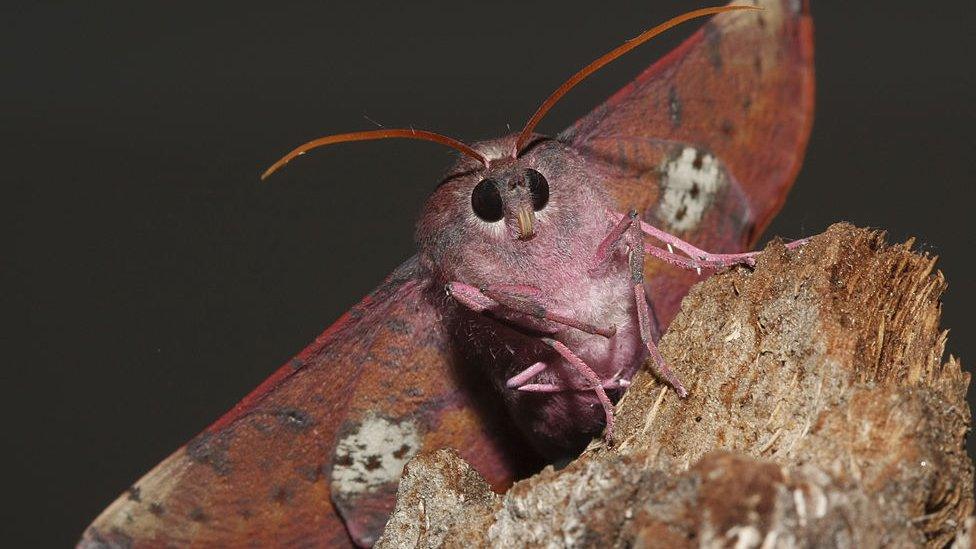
{"x":547,"y":268}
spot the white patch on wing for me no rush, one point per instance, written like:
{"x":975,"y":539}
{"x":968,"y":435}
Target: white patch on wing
{"x":746,"y":537}
{"x":689,"y":183}
{"x":373,"y":454}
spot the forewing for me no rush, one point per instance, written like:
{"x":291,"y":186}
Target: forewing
{"x":707,"y":141}
{"x":326,"y":435}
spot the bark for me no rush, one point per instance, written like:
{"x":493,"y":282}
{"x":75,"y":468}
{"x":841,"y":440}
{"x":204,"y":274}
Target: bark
{"x":821,"y":413}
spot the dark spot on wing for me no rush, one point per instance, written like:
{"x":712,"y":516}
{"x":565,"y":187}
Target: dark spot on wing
{"x":681,"y":212}
{"x":401,"y":451}
{"x":281,"y":495}
{"x":727,"y":128}
{"x":210,"y":449}
{"x":197,"y":515}
{"x":344,"y":460}
{"x":695,"y":190}
{"x":373,"y":462}
{"x":762,"y":21}
{"x":699,"y":159}
{"x":294,"y":419}
{"x":135,"y":494}
{"x":674,"y":106}
{"x":157,"y":509}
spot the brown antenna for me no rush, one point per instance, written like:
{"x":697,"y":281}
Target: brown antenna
{"x":376,"y":134}
{"x":614,"y":54}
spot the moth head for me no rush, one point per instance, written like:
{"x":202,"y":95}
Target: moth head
{"x":520,"y":214}
{"x":509,"y":197}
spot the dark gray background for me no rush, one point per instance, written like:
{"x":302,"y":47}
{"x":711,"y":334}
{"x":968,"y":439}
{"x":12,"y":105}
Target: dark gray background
{"x":155,"y":281}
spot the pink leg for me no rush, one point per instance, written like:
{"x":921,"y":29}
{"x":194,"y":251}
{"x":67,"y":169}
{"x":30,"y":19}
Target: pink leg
{"x":673,"y":258}
{"x":521,"y":299}
{"x":627,"y":227}
{"x":701,"y":257}
{"x":590,"y":376}
{"x":471,"y":297}
{"x":530,"y":303}
{"x":645,"y":334}
{"x":636,"y":260}
{"x":520,"y":382}
{"x":553,"y":388}
{"x":625,"y":222}
{"x":609,"y":241}
{"x":525,"y":375}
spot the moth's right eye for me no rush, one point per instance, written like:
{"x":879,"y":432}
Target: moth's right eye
{"x":486,"y":201}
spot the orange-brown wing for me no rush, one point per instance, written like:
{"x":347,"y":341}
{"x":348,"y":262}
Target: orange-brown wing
{"x":320,"y":445}
{"x":707,"y":141}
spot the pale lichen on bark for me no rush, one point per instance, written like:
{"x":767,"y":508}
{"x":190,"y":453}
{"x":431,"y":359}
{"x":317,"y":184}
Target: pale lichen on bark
{"x":821,"y":413}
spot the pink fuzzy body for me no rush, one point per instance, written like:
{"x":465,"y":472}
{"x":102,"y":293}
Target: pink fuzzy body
{"x":455,"y":245}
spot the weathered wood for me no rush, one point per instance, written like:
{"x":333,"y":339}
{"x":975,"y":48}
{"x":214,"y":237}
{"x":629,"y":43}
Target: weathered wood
{"x":821,"y":413}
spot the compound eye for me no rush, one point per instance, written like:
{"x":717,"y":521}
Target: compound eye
{"x":539,"y":188}
{"x":486,"y":201}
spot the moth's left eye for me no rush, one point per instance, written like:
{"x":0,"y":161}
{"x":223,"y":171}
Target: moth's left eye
{"x":539,"y":188}
{"x":486,"y":201}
